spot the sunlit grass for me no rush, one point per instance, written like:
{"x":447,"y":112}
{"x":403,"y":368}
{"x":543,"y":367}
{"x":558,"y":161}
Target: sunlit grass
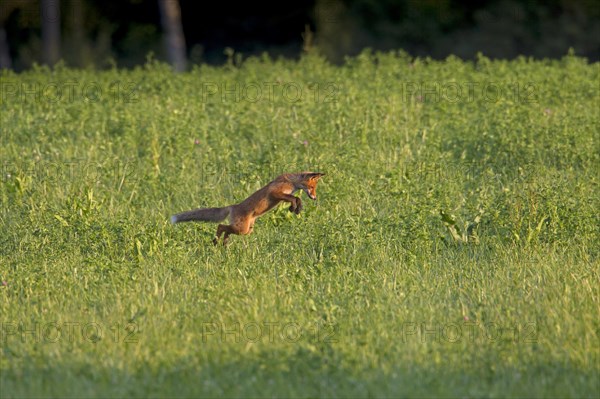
{"x":453,"y":250}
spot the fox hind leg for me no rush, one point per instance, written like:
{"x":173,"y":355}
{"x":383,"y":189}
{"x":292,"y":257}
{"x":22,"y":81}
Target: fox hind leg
{"x":241,"y":227}
{"x":223,"y":228}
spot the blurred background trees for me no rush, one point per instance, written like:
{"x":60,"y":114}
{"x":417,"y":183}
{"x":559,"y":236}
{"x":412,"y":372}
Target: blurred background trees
{"x":124,"y":32}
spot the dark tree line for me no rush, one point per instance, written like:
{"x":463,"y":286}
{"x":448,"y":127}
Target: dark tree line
{"x":184,"y":32}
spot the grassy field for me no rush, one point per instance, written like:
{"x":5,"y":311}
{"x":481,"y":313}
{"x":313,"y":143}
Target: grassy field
{"x":453,"y":250}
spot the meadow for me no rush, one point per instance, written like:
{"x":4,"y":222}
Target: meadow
{"x":452,"y":252}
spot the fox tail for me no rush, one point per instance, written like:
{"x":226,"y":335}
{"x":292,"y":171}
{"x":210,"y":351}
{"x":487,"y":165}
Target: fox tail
{"x":202,"y":215}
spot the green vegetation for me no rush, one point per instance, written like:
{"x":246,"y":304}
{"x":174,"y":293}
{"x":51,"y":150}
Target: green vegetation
{"x":453,"y":250}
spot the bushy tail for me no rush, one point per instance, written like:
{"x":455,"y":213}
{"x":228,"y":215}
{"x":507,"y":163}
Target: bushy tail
{"x":203,"y":215}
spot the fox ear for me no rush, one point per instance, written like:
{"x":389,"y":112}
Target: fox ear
{"x":315,"y":176}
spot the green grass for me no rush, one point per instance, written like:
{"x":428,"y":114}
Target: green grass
{"x":453,"y":250}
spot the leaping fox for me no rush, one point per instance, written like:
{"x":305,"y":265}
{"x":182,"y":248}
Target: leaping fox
{"x":242,"y":215}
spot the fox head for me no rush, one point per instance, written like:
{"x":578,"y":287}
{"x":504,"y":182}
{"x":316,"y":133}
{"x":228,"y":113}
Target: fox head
{"x":308,"y":183}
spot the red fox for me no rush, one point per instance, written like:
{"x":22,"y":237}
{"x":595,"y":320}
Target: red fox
{"x":242,"y":215}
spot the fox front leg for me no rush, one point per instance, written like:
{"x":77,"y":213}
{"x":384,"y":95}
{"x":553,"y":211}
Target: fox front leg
{"x":296,"y":206}
{"x":295,"y":202}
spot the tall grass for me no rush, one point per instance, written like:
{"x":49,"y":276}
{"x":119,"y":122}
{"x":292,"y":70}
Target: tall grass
{"x":453,"y":250}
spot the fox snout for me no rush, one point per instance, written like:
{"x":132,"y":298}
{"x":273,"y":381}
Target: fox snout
{"x":312,"y":194}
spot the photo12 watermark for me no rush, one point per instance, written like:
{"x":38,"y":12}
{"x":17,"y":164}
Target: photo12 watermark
{"x":274,"y":92}
{"x":119,"y":171}
{"x":72,"y":332}
{"x":210,"y":173}
{"x":65,"y":92}
{"x":252,"y":332}
{"x":468,"y":92}
{"x":468,"y":331}
{"x":460,"y":171}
